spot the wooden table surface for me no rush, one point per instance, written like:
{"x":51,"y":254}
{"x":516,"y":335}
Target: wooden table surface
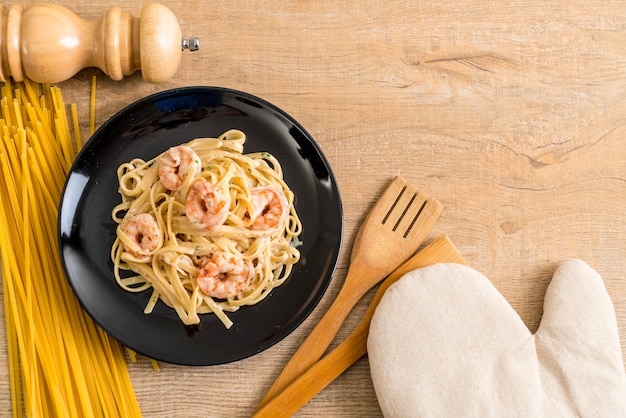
{"x":512,"y":114}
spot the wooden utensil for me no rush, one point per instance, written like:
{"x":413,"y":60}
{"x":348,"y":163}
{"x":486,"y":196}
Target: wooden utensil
{"x":322,"y":373}
{"x":391,"y":232}
{"x":48,"y":43}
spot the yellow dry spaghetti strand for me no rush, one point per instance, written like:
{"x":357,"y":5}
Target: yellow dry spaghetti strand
{"x":60,"y":362}
{"x":92,"y":109}
{"x":77,"y":140}
{"x":10,"y":269}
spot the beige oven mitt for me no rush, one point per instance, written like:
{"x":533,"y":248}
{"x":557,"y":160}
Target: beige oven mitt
{"x":444,"y":343}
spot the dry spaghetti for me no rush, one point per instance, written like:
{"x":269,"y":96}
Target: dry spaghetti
{"x":60,"y":362}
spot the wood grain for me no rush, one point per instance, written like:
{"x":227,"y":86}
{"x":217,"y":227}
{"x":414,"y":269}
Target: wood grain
{"x":511,"y":115}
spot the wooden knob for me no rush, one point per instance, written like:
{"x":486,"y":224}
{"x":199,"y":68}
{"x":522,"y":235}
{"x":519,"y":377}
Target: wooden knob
{"x":48,"y":43}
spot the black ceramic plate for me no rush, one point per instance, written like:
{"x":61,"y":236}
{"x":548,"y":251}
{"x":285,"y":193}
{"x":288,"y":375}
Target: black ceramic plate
{"x":147,"y":128}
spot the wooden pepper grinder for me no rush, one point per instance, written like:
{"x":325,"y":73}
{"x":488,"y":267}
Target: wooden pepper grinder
{"x":48,"y":43}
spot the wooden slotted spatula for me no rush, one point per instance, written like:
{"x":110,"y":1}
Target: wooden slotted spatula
{"x":392,"y":231}
{"x":322,"y":373}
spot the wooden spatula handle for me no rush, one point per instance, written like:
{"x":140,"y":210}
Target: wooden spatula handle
{"x":314,"y":346}
{"x":316,"y":378}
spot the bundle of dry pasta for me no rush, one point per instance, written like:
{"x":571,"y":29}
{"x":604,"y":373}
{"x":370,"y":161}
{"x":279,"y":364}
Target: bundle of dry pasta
{"x":61,"y":363}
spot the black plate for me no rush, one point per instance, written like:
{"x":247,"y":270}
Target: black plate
{"x":147,"y":128}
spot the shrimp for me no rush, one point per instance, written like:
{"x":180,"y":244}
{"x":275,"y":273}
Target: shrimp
{"x":206,"y":206}
{"x":270,"y":207}
{"x":145,"y":235}
{"x":175,"y":164}
{"x":224,"y":275}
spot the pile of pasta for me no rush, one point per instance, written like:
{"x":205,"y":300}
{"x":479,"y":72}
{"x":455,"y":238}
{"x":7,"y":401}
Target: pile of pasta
{"x":61,"y":363}
{"x":206,"y":227}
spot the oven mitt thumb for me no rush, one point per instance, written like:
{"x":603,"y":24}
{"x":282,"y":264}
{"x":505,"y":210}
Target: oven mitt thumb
{"x":444,"y":342}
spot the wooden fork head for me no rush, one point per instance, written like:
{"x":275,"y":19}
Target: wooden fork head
{"x":396,"y":226}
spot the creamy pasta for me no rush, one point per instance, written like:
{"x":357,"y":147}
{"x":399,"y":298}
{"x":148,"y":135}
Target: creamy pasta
{"x":207,"y":228}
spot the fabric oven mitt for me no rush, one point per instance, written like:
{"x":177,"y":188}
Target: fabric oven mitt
{"x":444,"y":342}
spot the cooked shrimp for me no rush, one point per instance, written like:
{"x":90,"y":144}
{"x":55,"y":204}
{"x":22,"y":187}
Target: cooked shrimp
{"x":175,"y":164}
{"x":206,"y":206}
{"x":270,"y":207}
{"x":144,"y":233}
{"x":224,"y":275}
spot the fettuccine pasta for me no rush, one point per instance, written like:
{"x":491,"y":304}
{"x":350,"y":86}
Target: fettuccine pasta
{"x":207,"y":228}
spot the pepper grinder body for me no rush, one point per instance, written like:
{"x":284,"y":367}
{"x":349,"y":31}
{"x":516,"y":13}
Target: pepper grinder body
{"x":48,"y":43}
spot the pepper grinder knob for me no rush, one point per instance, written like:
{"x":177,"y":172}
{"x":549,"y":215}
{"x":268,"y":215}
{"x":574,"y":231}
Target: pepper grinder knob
{"x":48,"y":43}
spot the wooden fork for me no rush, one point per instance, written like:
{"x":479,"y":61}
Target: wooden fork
{"x":322,"y":373}
{"x":392,"y":231}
